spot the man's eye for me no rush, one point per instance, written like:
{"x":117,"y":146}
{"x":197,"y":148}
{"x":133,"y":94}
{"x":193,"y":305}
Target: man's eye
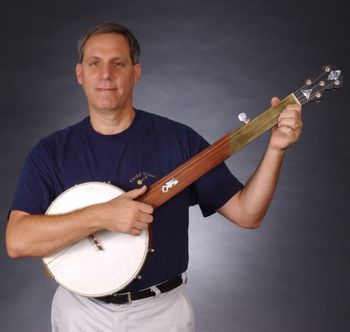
{"x":93,"y":63}
{"x":117,"y":64}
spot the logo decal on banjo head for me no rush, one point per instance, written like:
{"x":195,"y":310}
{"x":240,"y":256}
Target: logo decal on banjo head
{"x":334,"y":75}
{"x":307,"y":93}
{"x":171,"y":183}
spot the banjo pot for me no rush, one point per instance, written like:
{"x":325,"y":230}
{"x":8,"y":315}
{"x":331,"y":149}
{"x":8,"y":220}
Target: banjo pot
{"x":82,"y":267}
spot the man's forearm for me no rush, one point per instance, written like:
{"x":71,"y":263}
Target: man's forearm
{"x":256,"y":196}
{"x":41,"y":235}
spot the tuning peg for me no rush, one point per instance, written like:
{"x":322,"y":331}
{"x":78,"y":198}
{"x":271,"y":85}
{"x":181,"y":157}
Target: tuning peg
{"x":308,"y":81}
{"x":243,"y":118}
{"x":327,"y":68}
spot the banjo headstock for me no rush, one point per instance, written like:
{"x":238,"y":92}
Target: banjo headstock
{"x":329,"y":78}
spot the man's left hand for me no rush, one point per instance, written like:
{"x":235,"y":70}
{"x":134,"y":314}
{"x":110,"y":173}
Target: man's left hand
{"x":288,"y":128}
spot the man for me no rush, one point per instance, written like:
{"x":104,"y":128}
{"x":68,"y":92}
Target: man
{"x":131,"y":149}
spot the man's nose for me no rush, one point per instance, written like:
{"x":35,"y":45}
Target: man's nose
{"x":106,"y":71}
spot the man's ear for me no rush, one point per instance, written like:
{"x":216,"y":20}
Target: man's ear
{"x":137,"y":73}
{"x":78,"y":73}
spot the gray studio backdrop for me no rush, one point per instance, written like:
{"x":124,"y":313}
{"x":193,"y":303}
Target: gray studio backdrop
{"x":203,"y":63}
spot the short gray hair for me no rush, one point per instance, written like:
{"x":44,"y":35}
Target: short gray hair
{"x":111,"y":27}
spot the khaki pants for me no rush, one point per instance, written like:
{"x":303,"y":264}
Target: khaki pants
{"x":168,"y":312}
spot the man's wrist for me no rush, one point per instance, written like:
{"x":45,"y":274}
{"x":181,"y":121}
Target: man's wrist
{"x":275,"y":152}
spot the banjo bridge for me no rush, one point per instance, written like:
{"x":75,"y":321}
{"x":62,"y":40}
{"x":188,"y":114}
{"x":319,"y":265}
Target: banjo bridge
{"x":95,"y":242}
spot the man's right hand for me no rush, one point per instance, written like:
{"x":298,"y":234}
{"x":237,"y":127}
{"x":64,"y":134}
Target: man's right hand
{"x":126,"y":215}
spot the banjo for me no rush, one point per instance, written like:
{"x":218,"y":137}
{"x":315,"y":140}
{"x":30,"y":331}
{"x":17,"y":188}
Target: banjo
{"x":106,"y":262}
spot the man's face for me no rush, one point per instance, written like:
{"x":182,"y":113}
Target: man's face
{"x":107,"y":74}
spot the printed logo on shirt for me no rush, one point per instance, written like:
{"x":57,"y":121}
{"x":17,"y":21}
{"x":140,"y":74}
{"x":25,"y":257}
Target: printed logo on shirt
{"x":140,"y":177}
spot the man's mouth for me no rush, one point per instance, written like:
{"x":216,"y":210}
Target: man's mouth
{"x":106,"y":89}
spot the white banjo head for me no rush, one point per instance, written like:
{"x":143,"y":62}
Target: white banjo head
{"x":81,"y":267}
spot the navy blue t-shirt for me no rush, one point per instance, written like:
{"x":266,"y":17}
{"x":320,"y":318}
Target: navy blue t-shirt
{"x":150,"y":148}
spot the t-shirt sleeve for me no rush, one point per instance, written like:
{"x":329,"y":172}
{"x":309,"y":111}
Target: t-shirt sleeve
{"x":215,"y":188}
{"x":34,"y":191}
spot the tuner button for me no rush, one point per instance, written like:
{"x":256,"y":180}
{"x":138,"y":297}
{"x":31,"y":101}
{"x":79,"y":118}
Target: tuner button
{"x":308,"y":81}
{"x":336,"y":82}
{"x":322,"y":83}
{"x":318,"y":95}
{"x":327,"y":69}
{"x":243,"y":118}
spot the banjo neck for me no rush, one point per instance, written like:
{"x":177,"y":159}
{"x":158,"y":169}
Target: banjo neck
{"x":184,"y":175}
